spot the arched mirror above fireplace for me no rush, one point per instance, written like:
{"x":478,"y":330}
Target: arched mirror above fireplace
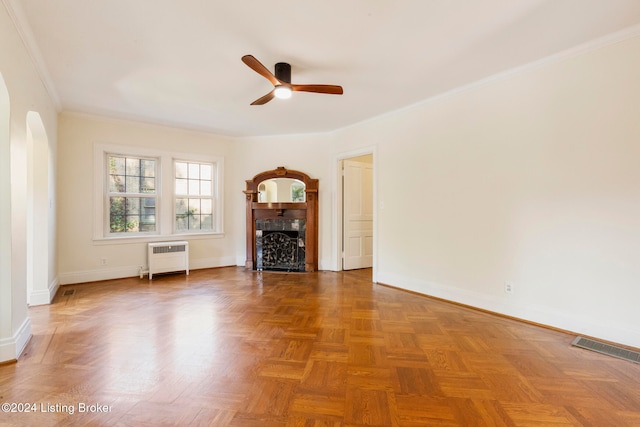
{"x":282,"y":221}
{"x":281,"y":190}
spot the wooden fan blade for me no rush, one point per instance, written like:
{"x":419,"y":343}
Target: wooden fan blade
{"x":330,"y":89}
{"x":257,"y":66}
{"x":263,"y":100}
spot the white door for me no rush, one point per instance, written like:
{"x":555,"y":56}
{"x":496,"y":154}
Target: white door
{"x":357,"y":231}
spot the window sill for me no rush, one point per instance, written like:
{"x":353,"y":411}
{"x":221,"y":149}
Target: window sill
{"x":125,"y":240}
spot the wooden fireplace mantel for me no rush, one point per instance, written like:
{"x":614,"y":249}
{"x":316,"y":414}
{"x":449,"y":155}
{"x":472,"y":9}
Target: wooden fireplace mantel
{"x":307,"y":210}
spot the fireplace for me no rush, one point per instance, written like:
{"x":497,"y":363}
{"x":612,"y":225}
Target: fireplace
{"x":282,"y":235}
{"x":280,"y":244}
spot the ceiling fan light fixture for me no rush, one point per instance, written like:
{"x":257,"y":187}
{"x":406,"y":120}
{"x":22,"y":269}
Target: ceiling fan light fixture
{"x":282,"y":92}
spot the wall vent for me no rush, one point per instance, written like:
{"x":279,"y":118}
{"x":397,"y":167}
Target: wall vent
{"x":610,"y":350}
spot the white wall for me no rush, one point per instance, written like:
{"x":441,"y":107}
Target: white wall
{"x":531,"y":179}
{"x":25,"y":94}
{"x":80,"y":253}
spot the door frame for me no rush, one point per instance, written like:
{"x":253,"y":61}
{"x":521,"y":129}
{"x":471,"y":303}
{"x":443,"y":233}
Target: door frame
{"x":337,"y":214}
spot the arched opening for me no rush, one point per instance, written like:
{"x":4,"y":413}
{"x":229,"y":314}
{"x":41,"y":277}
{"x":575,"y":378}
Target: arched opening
{"x":38,"y":208}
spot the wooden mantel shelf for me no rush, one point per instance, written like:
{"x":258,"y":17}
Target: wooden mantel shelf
{"x":278,"y":205}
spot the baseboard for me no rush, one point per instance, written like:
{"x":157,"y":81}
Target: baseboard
{"x":11,"y":348}
{"x":44,"y":297}
{"x":70,"y":278}
{"x":596,"y":328}
{"x":198,"y":264}
{"x":325,"y":265}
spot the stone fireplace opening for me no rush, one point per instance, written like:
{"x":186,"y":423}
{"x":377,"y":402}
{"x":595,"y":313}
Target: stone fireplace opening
{"x":280,"y":245}
{"x":282,"y":235}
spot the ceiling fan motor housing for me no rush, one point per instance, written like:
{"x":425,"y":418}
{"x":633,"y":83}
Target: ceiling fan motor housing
{"x":283,"y":72}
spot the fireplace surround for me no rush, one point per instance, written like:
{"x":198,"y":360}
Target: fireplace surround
{"x":281,"y":236}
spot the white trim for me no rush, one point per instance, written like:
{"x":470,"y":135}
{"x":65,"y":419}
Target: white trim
{"x":240,"y":260}
{"x":125,"y":240}
{"x":519,"y":309}
{"x":44,"y":297}
{"x":325,"y":265}
{"x":336,"y":215}
{"x":202,"y":263}
{"x":12,"y":348}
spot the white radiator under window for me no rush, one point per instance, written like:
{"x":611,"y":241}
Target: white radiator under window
{"x":166,"y":257}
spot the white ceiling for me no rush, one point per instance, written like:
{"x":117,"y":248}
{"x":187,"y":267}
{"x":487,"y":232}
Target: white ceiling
{"x":178,"y":62}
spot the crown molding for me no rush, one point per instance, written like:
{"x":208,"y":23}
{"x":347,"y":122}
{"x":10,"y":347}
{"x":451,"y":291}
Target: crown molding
{"x":17,"y":15}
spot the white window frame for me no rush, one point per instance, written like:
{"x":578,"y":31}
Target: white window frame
{"x":165,"y":204}
{"x":215,"y":199}
{"x":108,"y":194}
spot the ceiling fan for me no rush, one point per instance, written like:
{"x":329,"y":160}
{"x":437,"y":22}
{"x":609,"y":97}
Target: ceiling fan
{"x":281,"y":80}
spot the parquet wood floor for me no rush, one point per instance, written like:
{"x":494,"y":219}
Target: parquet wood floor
{"x":230,"y":347}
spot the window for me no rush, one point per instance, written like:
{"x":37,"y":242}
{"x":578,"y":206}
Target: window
{"x":194,"y":196}
{"x":144,"y":194}
{"x":132,"y":196}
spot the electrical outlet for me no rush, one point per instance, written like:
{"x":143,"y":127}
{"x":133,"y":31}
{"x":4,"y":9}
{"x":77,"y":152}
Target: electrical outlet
{"x":508,"y":288}
{"x":103,"y":261}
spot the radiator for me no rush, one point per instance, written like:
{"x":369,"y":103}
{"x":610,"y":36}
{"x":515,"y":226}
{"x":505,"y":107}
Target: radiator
{"x":165,"y":257}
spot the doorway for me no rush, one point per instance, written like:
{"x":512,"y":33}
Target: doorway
{"x":355,"y":214}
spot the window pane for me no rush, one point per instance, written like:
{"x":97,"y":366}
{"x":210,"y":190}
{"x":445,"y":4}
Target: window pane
{"x":182,"y":223}
{"x":147,"y":227}
{"x":148,"y":221}
{"x":116,"y":214}
{"x":194,"y":222}
{"x":194,"y":187}
{"x":205,"y":188}
{"x":131,"y":214}
{"x":149,"y":168}
{"x":116,"y":183}
{"x":206,"y":172}
{"x":181,"y":170}
{"x":116,"y":165}
{"x":133,"y":206}
{"x":116,"y":205}
{"x":133,"y":184}
{"x":206,"y":222}
{"x":194,"y":171}
{"x":148,"y":203}
{"x":194,"y":206}
{"x":117,"y":223}
{"x":133,"y":222}
{"x":206,"y":205}
{"x":181,"y":207}
{"x":182,"y":187}
{"x":133,"y":167}
{"x":148,"y":185}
